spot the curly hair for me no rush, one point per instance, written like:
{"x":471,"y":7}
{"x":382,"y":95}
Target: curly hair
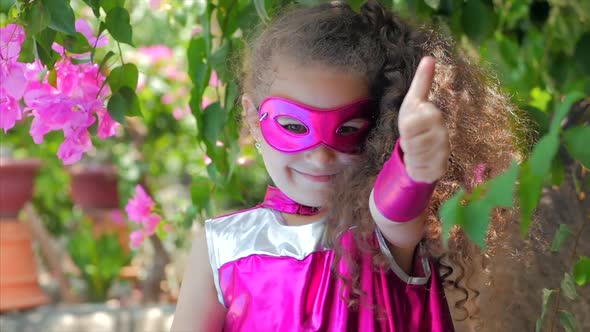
{"x":486,"y":131}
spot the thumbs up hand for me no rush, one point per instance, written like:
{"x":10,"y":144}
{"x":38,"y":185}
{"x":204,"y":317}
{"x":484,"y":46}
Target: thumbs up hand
{"x":404,"y":186}
{"x":424,"y":138}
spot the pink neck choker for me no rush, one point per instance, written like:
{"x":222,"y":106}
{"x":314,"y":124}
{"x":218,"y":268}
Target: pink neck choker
{"x":277,"y":200}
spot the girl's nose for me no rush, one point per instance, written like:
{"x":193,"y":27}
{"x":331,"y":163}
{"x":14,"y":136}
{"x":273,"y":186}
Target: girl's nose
{"x":321,"y":156}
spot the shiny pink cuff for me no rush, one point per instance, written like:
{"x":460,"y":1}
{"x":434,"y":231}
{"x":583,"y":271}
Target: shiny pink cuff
{"x":397,"y":196}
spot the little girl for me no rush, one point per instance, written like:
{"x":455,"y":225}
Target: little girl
{"x":320,"y":85}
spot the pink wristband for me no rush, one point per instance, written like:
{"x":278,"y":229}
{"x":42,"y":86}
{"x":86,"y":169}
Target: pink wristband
{"x":397,"y":196}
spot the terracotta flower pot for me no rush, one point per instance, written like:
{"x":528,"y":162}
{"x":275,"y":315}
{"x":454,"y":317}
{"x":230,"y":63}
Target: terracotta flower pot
{"x":95,"y":190}
{"x":94,"y":187}
{"x":16,"y":184}
{"x":19,"y":288}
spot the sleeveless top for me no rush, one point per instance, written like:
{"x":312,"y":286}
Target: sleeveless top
{"x":273,"y":277}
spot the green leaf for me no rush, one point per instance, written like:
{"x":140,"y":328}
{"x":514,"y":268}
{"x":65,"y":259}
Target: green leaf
{"x":123,"y":76}
{"x":451,"y":213}
{"x":582,"y":52}
{"x":261,"y":10}
{"x":214,"y":119}
{"x":200,"y":191}
{"x":123,"y":103}
{"x":76,"y":44}
{"x":547,"y":294}
{"x":434,"y":4}
{"x":560,"y":236}
{"x":568,"y":287}
{"x":576,"y":142}
{"x":105,"y":59}
{"x":43,"y":50}
{"x":62,"y":16}
{"x":568,"y":321}
{"x":582,"y":271}
{"x":95,"y":5}
{"x":543,"y":153}
{"x":116,"y":107}
{"x":52,"y":78}
{"x":117,"y":23}
{"x":529,"y":193}
{"x":540,"y":98}
{"x":218,"y":60}
{"x":27,"y":51}
{"x":5,"y":5}
{"x":477,"y":20}
{"x":37,"y":18}
{"x":107,"y":5}
{"x":557,"y":172}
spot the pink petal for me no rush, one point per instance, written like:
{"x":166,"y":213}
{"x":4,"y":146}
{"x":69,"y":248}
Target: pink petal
{"x":73,"y":148}
{"x":117,"y":217}
{"x":151,"y":223}
{"x":214,"y":80}
{"x":136,"y":238}
{"x":140,"y":206}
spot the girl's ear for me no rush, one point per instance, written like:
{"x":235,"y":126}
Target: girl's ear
{"x":251,"y":116}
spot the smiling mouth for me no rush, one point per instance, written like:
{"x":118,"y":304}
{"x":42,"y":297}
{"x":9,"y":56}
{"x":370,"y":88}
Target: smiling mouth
{"x":317,"y":178}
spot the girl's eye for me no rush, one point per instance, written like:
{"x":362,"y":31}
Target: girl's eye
{"x":295,"y":128}
{"x":347,"y":130}
{"x":352,"y":127}
{"x":292,"y":125}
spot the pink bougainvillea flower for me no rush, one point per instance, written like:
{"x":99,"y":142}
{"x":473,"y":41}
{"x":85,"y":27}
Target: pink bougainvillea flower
{"x":156,"y":53}
{"x":214,"y":79}
{"x":10,"y":111}
{"x":181,"y":112}
{"x":206,"y":102}
{"x":73,"y":147}
{"x":197,"y":31}
{"x":107,"y":127}
{"x":155,"y":4}
{"x":117,"y":217}
{"x":11,"y":40}
{"x":140,"y":206}
{"x":136,"y":238}
{"x":150,"y":223}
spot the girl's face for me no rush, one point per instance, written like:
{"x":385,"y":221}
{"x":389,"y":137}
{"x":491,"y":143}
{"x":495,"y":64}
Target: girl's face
{"x":307,"y":176}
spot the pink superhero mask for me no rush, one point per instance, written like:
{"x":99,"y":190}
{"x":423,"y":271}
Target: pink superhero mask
{"x":315,"y":126}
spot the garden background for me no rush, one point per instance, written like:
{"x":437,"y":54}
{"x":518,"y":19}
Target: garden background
{"x":126,"y":112}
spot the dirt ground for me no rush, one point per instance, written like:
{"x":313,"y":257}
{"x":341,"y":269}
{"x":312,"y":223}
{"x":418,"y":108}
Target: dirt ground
{"x":514,"y":302}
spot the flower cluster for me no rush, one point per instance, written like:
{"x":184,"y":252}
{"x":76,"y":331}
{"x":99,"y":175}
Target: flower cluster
{"x":70,"y":103}
{"x":140,"y":210}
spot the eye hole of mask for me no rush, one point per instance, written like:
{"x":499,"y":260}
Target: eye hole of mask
{"x":292,"y":125}
{"x":352,"y":127}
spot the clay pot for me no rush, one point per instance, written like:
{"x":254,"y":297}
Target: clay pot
{"x":19,"y":288}
{"x":94,"y":187}
{"x":16,"y":184}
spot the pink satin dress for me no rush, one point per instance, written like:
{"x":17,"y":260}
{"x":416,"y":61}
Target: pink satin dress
{"x":274,"y":277}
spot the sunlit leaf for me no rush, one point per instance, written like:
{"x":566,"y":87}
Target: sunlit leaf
{"x":451,"y":213}
{"x":123,"y":76}
{"x":582,"y":271}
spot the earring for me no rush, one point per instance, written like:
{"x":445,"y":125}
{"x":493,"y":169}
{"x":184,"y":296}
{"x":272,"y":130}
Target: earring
{"x":257,"y":145}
